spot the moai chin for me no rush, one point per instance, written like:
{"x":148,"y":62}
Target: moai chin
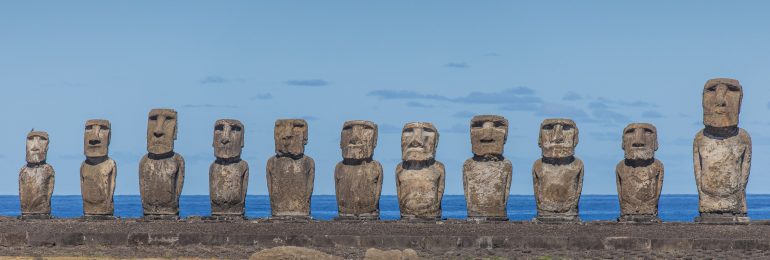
{"x":161,"y":171}
{"x":639,"y":176}
{"x":558,"y":175}
{"x":722,"y":155}
{"x":98,"y":171}
{"x":290,"y":173}
{"x":419,"y":177}
{"x":487,"y":175}
{"x":228,"y":174}
{"x":358,"y":178}
{"x":36,"y":179}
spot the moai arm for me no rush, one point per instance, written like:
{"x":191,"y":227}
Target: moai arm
{"x":618,"y":181}
{"x":399,"y":169}
{"x":52,"y":178}
{"x":536,"y":182}
{"x":379,"y":182}
{"x":113,"y":175}
{"x":269,"y":175}
{"x":659,"y":188}
{"x":180,"y":176}
{"x":245,"y":182}
{"x":310,"y":177}
{"x":746,"y":167}
{"x":579,"y":189}
{"x":441,"y":182}
{"x":509,"y":171}
{"x":466,"y":167}
{"x":142,"y":162}
{"x":697,"y":161}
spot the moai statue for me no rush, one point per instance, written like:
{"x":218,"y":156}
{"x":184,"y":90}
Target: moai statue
{"x":290,"y":173}
{"x":98,"y":171}
{"x":358,"y":178}
{"x":639,"y":176}
{"x":487,"y":175}
{"x":722,"y":155}
{"x":228,"y":175}
{"x":161,"y":171}
{"x":419,"y":177}
{"x":558,"y":176}
{"x":36,"y":179}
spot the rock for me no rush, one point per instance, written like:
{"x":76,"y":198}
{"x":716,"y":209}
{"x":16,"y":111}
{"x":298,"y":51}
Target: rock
{"x":290,"y":173}
{"x":161,"y":171}
{"x":419,"y":177}
{"x":487,"y":175}
{"x":358,"y":178}
{"x":376,"y":254}
{"x":558,"y":175}
{"x":98,"y":171}
{"x":639,"y":176}
{"x":228,"y":174}
{"x":292,"y":253}
{"x":36,"y":179}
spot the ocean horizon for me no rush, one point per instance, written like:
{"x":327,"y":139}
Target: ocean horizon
{"x":673,"y":208}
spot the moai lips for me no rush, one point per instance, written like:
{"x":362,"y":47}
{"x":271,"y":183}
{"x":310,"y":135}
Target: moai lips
{"x":161,"y":171}
{"x":36,"y":179}
{"x":358,"y":178}
{"x":487,"y":175}
{"x":558,"y":176}
{"x":290,"y":173}
{"x":419,"y":177}
{"x":722,"y":155}
{"x":98,"y":171}
{"x":228,"y":175}
{"x":639,"y":176}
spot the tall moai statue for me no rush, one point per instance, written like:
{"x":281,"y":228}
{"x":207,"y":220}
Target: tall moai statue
{"x":419,"y":177}
{"x":290,"y":173}
{"x":161,"y":171}
{"x":36,"y":179}
{"x":229,"y":174}
{"x":487,"y":175}
{"x":722,"y":155}
{"x":98,"y":171}
{"x":358,"y":178}
{"x":558,"y":175}
{"x":639,"y":176}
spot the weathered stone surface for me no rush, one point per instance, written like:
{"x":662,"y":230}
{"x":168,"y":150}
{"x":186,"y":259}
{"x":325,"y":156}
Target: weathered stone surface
{"x":376,"y":254}
{"x":290,"y":173}
{"x":228,"y":174}
{"x":639,"y":176}
{"x":487,"y":175}
{"x":98,"y":171}
{"x":36,"y":179}
{"x":722,"y":154}
{"x":558,"y":176}
{"x":419,"y":177}
{"x":161,"y":171}
{"x":292,"y":252}
{"x":358,"y":178}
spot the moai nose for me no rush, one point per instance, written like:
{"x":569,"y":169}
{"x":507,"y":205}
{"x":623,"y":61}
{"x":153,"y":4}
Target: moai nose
{"x":721,"y":99}
{"x":558,"y":134}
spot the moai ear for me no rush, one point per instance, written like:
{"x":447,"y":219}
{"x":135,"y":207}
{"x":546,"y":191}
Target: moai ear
{"x":576,"y":138}
{"x":375,"y":135}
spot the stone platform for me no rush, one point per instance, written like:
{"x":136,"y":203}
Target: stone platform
{"x":236,"y":239}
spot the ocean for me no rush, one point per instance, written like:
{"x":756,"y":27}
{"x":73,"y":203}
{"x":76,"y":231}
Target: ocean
{"x":681,"y":208}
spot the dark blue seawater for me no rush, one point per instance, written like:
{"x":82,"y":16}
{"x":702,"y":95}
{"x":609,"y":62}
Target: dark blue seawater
{"x":520,"y":207}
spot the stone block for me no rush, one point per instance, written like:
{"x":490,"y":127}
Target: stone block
{"x":627,"y":243}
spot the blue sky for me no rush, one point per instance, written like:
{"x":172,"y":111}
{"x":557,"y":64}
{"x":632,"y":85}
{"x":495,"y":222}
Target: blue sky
{"x":602,"y":63}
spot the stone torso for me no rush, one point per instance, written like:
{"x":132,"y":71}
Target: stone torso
{"x":35,"y":188}
{"x":722,"y":162}
{"x":639,"y":192}
{"x":291,"y":185}
{"x":420,"y":191}
{"x":487,"y":185}
{"x":160,"y":190}
{"x":227,"y":187}
{"x":558,"y":187}
{"x":96,"y":186}
{"x":358,"y":188}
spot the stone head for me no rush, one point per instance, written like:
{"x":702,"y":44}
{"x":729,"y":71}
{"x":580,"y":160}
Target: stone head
{"x":558,"y":138}
{"x":161,"y":131}
{"x":37,"y":147}
{"x":640,"y":141}
{"x":290,"y":137}
{"x":228,"y":138}
{"x":419,"y":141}
{"x":358,"y":139}
{"x":96,"y":140}
{"x":488,"y":134}
{"x":722,"y":102}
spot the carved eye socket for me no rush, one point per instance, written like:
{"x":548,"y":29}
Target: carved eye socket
{"x":154,"y":117}
{"x":712,"y":88}
{"x":409,"y":130}
{"x":648,"y":131}
{"x":630,"y":131}
{"x":236,"y":128}
{"x":89,"y":127}
{"x":104,"y":127}
{"x":548,"y":127}
{"x":733,"y":88}
{"x":43,"y":139}
{"x":368,"y":127}
{"x":566,"y":127}
{"x":169,"y":118}
{"x":347,"y":127}
{"x":219,"y":127}
{"x":429,"y":130}
{"x":499,"y":124}
{"x":477,"y":124}
{"x":299,"y":125}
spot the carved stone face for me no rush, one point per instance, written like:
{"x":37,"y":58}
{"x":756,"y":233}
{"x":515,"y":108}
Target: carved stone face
{"x":640,"y":141}
{"x":96,"y":140}
{"x":290,"y":137}
{"x":419,"y":141}
{"x":37,"y":147}
{"x":358,"y":139}
{"x":722,"y":102}
{"x":228,"y":138}
{"x":488,"y":134}
{"x":558,"y":138}
{"x":161,"y":131}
